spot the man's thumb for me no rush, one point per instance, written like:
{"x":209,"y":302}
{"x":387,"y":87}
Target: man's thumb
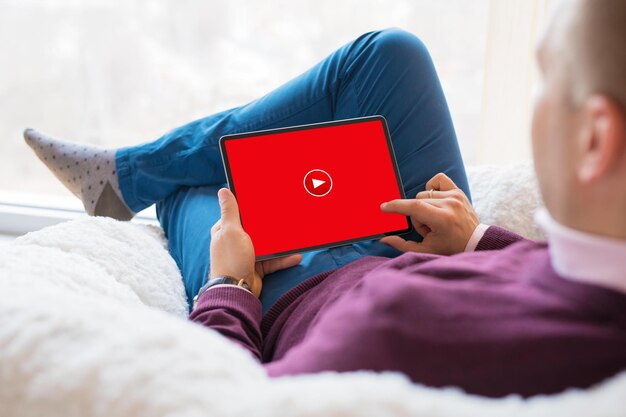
{"x":228,"y":205}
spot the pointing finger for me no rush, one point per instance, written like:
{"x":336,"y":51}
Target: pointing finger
{"x":419,"y":210}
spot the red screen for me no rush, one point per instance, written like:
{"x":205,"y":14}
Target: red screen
{"x":316,"y":186}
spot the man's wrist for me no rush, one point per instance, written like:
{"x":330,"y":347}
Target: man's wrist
{"x":222,"y":281}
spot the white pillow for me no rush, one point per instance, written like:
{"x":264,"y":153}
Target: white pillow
{"x":506,"y":196}
{"x":92,"y":323}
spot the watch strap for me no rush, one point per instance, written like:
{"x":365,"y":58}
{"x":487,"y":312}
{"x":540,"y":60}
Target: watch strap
{"x":217,"y":280}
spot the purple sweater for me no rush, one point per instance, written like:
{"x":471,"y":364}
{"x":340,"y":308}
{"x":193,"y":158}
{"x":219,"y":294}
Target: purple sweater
{"x":493,"y":322}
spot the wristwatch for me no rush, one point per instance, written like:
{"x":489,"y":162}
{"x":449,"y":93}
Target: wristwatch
{"x":221,"y":279}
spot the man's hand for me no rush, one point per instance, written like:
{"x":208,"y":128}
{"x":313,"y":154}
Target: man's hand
{"x":232,"y":252}
{"x":443,"y":216}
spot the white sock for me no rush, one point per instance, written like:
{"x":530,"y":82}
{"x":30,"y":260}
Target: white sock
{"x":87,"y":171}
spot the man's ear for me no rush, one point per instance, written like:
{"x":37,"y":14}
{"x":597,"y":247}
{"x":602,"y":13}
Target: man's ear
{"x":603,"y":142}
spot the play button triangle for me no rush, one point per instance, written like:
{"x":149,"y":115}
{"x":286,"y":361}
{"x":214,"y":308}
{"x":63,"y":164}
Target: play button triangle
{"x":317,"y":183}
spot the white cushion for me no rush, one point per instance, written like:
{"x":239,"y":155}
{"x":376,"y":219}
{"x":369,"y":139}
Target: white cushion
{"x":506,"y":196}
{"x":93,"y":323}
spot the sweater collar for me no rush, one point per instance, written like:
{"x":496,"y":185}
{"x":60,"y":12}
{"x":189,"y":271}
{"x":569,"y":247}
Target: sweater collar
{"x":584,"y":257}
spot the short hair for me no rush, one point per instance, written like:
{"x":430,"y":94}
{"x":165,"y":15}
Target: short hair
{"x":597,"y":34}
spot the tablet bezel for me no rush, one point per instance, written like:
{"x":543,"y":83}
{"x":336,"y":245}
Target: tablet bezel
{"x":243,"y":135}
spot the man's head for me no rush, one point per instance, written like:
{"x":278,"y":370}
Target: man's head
{"x":579,"y":122}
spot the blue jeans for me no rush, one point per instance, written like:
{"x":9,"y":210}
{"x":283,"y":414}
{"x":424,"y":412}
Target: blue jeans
{"x":386,"y":72}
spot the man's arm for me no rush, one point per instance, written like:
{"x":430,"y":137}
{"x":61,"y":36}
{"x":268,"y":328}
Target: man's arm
{"x":231,"y":310}
{"x":494,"y":238}
{"x":336,"y":343}
{"x":446,"y":220}
{"x":235,"y":313}
{"x":487,"y":237}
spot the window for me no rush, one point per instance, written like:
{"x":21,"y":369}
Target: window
{"x":115,"y":72}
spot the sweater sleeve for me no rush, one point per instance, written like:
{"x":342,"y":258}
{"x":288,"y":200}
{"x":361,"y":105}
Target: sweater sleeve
{"x":235,"y":313}
{"x":497,"y":238}
{"x":336,"y":344}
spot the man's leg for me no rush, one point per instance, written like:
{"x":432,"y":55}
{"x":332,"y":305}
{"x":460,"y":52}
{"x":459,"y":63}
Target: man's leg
{"x":386,"y":72}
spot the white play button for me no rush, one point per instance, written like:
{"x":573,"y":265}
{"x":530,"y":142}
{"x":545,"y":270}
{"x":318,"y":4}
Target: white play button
{"x":317,"y":183}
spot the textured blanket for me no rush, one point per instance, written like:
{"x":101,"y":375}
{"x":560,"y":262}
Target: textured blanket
{"x":93,"y":323}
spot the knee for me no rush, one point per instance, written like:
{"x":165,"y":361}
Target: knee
{"x":396,"y":42}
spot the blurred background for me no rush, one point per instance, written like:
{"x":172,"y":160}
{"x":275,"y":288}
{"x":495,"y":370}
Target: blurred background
{"x":121,"y":72}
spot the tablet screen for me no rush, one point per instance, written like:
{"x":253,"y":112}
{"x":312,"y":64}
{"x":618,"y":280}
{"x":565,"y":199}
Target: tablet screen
{"x":314,"y":186}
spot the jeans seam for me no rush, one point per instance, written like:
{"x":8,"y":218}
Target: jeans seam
{"x":284,"y":115}
{"x":246,"y":128}
{"x":357,"y":93}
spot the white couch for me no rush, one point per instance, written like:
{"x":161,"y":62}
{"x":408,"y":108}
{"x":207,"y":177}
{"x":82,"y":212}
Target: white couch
{"x":93,"y":323}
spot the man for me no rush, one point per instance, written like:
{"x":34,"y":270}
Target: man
{"x":512,"y":317}
{"x":470,"y":305}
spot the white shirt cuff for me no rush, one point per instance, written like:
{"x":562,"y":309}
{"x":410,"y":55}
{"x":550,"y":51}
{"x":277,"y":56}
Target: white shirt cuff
{"x":478,"y":234}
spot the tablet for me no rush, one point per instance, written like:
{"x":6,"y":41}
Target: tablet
{"x":314,"y":186}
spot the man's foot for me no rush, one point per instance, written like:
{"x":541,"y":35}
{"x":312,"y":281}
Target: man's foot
{"x":87,"y":171}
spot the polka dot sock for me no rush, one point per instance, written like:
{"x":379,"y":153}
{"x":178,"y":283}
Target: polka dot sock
{"x":87,"y":171}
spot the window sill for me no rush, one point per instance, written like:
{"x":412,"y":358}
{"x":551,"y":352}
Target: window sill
{"x":21,"y":213}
